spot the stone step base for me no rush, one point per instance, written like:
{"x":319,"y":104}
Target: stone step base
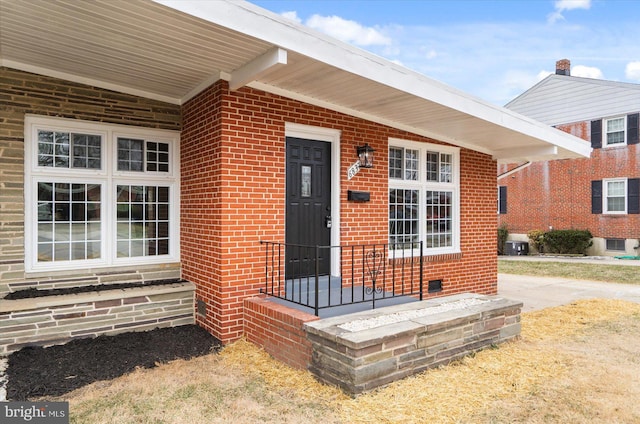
{"x":364,"y":359}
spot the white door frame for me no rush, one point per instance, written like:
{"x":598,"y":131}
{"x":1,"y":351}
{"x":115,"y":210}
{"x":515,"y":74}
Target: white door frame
{"x":331,"y":136}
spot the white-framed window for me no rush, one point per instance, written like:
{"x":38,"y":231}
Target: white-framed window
{"x":99,"y":194}
{"x":615,"y":130}
{"x":424,"y":193}
{"x":615,"y":196}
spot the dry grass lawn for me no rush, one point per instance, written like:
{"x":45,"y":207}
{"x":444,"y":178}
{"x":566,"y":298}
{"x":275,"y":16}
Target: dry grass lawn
{"x":574,"y":363}
{"x":625,"y":274}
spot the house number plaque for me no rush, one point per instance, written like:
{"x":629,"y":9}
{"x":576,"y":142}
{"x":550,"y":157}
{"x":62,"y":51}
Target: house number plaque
{"x":353,"y":170}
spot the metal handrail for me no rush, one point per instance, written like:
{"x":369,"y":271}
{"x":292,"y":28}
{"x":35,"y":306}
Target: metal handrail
{"x":293,"y":271}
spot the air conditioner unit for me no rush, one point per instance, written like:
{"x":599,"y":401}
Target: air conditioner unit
{"x":516,"y":248}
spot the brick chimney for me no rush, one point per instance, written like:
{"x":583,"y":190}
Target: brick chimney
{"x":563,"y":67}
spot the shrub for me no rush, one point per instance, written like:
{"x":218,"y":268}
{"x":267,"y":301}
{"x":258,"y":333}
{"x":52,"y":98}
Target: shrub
{"x":503,"y":233}
{"x":568,"y":241}
{"x":536,"y":237}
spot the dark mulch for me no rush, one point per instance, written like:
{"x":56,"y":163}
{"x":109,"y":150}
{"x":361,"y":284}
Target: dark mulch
{"x":33,"y":292}
{"x":53,"y":371}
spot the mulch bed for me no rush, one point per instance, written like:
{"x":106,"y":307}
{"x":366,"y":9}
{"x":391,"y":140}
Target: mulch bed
{"x":53,"y":371}
{"x":33,"y":292}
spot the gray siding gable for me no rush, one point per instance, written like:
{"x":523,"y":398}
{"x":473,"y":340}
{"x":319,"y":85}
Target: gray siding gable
{"x":560,"y":99}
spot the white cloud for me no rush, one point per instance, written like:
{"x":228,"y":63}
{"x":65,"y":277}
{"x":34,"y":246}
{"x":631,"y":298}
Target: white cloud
{"x":632,"y":71}
{"x":563,"y":5}
{"x":586,"y":72}
{"x":431,"y":54}
{"x":347,"y":30}
{"x":542,"y":75}
{"x":292,"y":15}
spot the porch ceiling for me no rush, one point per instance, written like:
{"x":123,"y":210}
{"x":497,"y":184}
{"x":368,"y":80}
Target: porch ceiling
{"x":170,"y":50}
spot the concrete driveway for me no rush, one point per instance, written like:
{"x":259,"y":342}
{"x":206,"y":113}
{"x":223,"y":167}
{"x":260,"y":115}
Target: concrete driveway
{"x":543,"y":292}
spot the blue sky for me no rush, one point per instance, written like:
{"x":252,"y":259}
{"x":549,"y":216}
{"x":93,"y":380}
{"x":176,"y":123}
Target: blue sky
{"x":492,"y":49}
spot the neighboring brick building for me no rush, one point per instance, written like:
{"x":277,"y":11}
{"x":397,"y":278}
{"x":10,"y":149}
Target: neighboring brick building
{"x":600,"y":193}
{"x":168,"y":157}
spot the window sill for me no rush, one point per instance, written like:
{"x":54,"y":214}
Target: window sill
{"x":443,"y":257}
{"x":101,"y":270}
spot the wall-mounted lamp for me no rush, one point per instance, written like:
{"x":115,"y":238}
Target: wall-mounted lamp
{"x":365,"y":155}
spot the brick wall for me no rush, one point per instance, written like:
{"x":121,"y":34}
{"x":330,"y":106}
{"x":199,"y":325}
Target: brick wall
{"x":233,"y":175}
{"x":558,"y":193}
{"x":21,"y":93}
{"x":233,"y":186}
{"x":279,"y":330}
{"x":201,"y":210}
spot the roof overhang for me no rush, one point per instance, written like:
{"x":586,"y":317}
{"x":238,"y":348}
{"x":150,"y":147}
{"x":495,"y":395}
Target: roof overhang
{"x":170,"y":50}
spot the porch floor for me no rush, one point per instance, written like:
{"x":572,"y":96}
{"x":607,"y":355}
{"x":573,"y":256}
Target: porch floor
{"x":333,"y":299}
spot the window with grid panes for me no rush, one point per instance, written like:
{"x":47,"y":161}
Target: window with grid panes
{"x":99,"y":194}
{"x":423,"y":197}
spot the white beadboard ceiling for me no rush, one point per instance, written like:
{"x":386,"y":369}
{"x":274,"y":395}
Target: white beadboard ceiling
{"x":170,"y":50}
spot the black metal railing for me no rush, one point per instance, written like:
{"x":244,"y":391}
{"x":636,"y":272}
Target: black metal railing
{"x":320,"y":277}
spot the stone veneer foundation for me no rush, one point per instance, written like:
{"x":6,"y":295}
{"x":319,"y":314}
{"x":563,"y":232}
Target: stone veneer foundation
{"x":358,"y":361}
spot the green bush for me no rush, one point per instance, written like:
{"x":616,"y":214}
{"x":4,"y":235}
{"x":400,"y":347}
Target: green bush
{"x":568,"y":241}
{"x":503,"y":233}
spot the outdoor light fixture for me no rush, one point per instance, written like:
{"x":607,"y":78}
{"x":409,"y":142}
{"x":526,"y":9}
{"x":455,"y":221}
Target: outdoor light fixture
{"x":365,"y":155}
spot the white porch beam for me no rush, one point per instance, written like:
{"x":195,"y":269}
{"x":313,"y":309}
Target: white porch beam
{"x":251,"y":71}
{"x":524,"y":153}
{"x":87,"y":81}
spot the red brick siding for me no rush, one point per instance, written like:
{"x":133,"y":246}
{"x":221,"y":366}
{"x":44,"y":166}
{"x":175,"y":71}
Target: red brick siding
{"x":233,"y":178}
{"x":201,"y":223}
{"x":278,"y":329}
{"x":558,"y":193}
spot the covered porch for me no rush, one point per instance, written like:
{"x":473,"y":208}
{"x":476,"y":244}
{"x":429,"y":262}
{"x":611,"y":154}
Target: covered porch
{"x":241,"y":78}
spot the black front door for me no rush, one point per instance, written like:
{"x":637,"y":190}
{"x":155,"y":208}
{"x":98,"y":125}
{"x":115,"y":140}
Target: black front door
{"x":308,"y":212}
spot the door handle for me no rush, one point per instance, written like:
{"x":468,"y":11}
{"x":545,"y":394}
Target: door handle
{"x":327,"y":221}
